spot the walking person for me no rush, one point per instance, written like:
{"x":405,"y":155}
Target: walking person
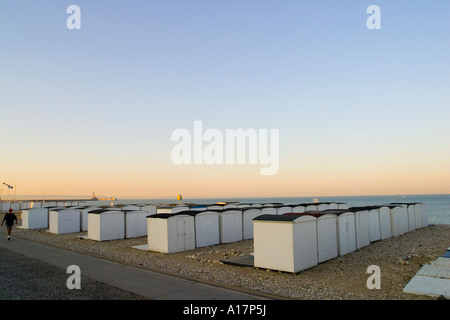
{"x":9,"y":219}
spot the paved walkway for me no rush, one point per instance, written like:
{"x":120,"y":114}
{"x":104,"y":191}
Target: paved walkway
{"x":146,"y":283}
{"x":433,"y":278}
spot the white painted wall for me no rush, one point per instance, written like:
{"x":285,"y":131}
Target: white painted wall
{"x":206,"y":228}
{"x":247,"y":222}
{"x":374,"y":225}
{"x":289,"y":246}
{"x":135,"y":223}
{"x":327,"y":241}
{"x":385,"y":223}
{"x":63,"y":221}
{"x":108,"y":225}
{"x":346,"y":233}
{"x":35,"y":218}
{"x":230,"y":226}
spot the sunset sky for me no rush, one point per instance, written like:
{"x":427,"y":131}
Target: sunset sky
{"x":359,"y":111}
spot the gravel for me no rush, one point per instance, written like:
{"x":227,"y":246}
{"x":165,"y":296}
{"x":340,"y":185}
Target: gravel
{"x":345,"y":277}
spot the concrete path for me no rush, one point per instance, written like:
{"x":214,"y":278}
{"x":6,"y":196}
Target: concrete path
{"x":146,"y":283}
{"x":433,"y":278}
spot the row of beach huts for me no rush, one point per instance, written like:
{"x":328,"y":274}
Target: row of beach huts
{"x":288,"y":238}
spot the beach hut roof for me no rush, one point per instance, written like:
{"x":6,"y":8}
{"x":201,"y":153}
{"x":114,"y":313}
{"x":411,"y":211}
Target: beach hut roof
{"x":335,"y":211}
{"x":278,"y":218}
{"x":362,"y":208}
{"x":169,"y":215}
{"x":408,"y":203}
{"x":316,"y":214}
{"x":100,"y":211}
{"x":232,"y":209}
{"x":251,"y":209}
{"x":391,"y":205}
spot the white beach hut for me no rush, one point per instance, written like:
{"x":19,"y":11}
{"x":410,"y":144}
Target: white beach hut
{"x":231,"y":205}
{"x":269,"y":210}
{"x":283,"y":209}
{"x":64,"y":220}
{"x":230,"y":225}
{"x":135,"y":223}
{"x":418,"y":214}
{"x":298,"y":209}
{"x":385,"y":222}
{"x":310,"y":206}
{"x":215,"y":207}
{"x":151,"y":209}
{"x":272,"y":204}
{"x":170,"y":209}
{"x":180,"y":208}
{"x":163,"y":210}
{"x":323,"y":206}
{"x":424,"y":208}
{"x":35,"y":205}
{"x":327,"y":242}
{"x":131,"y":207}
{"x":399,"y":219}
{"x":206,"y":227}
{"x":170,"y":233}
{"x":285,"y":242}
{"x":84,"y":217}
{"x":50,"y":209}
{"x":374,"y":224}
{"x":35,"y":218}
{"x":112,"y":208}
{"x":25,"y":205}
{"x":4,"y":206}
{"x":410,"y":214}
{"x":346,"y":231}
{"x":45,"y":204}
{"x":333,"y":206}
{"x":411,"y":217}
{"x":342,"y":206}
{"x":361,"y":226}
{"x":247,"y":221}
{"x":106,"y":225}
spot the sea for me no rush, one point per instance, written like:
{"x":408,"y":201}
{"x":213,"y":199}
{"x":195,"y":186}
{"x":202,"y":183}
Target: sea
{"x":438,"y":204}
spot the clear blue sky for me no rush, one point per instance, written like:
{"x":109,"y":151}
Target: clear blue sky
{"x":103,"y":100}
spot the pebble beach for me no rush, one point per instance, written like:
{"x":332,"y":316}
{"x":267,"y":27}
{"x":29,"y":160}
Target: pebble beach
{"x":342,"y":278}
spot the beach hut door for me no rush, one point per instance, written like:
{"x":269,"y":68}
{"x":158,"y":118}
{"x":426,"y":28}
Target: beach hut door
{"x":181,"y":235}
